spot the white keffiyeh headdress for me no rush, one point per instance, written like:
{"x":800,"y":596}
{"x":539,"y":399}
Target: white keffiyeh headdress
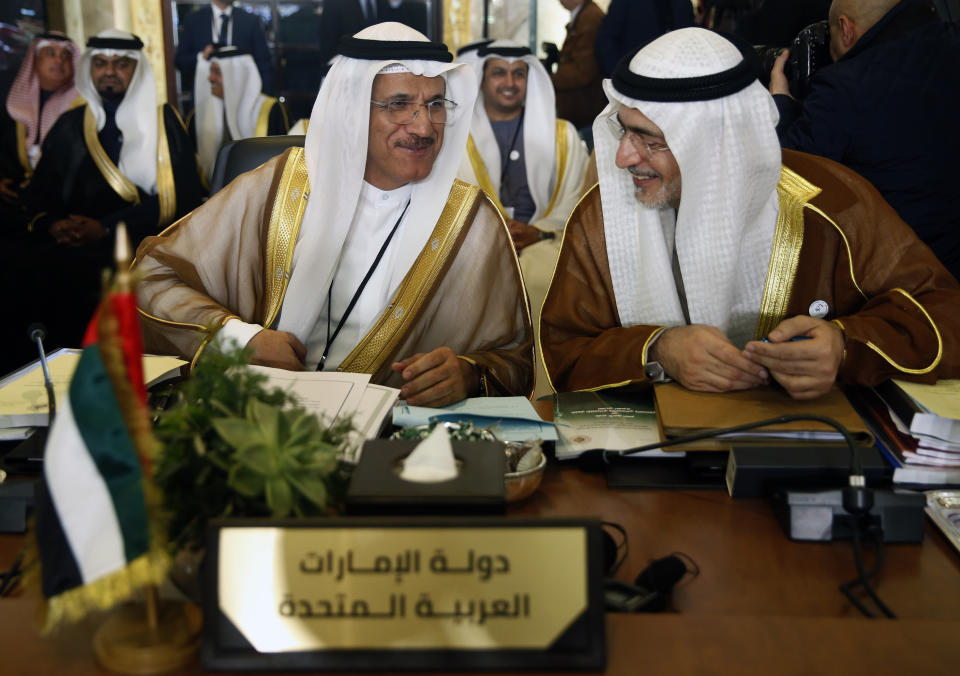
{"x":240,"y":104}
{"x":719,"y":122}
{"x":539,"y":128}
{"x":335,"y":152}
{"x":137,"y":113}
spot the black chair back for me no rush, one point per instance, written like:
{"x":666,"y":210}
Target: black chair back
{"x":241,"y":156}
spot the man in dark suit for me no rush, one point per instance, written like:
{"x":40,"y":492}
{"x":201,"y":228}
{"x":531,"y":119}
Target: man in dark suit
{"x":206,"y":27}
{"x":412,"y":13}
{"x":577,"y":79}
{"x":345,"y":17}
{"x":632,"y":23}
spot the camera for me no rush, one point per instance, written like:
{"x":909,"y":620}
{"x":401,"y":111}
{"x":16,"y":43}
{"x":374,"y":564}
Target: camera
{"x":809,"y":52}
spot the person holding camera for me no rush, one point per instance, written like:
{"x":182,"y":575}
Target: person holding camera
{"x":887,"y":108}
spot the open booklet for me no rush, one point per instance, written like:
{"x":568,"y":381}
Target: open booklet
{"x":335,"y":395}
{"x":23,"y":396}
{"x":609,"y":419}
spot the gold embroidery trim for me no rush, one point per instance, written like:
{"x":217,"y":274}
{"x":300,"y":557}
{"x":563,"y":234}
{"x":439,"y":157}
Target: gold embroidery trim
{"x":936,"y":360}
{"x":553,"y":275}
{"x":561,"y":165}
{"x":263,"y":118}
{"x":166,"y":186}
{"x":846,"y":244}
{"x":794,"y":192}
{"x":117,"y":181}
{"x":483,"y":178}
{"x":22,"y":150}
{"x":381,"y":341}
{"x":289,"y":205}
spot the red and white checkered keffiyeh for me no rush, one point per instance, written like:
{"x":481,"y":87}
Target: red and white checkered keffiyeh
{"x":23,"y":101}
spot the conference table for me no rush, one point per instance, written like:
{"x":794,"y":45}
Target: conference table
{"x":761,"y":604}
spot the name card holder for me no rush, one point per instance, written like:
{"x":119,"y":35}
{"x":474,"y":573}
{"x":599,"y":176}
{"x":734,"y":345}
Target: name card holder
{"x":413,"y":594}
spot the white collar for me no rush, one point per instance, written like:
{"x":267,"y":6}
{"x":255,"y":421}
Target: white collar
{"x":574,"y":12}
{"x":217,"y":12}
{"x":373,"y":196}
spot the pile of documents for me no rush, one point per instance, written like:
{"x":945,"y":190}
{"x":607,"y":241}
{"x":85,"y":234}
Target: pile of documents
{"x":335,"y":396}
{"x":925,"y":439}
{"x":23,"y":395}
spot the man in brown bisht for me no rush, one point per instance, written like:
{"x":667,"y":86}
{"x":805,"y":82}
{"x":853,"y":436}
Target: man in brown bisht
{"x":359,"y":252}
{"x":702,"y":240}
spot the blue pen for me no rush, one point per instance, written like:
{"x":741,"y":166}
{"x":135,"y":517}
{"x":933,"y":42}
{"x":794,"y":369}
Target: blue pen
{"x":792,"y":340}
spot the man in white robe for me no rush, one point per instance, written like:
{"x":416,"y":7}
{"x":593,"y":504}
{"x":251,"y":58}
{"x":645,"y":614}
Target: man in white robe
{"x":229,"y":104}
{"x":359,"y":252}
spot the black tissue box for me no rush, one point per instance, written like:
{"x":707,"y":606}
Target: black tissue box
{"x":377,"y":489}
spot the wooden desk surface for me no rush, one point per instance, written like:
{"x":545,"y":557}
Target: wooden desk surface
{"x":761,"y":604}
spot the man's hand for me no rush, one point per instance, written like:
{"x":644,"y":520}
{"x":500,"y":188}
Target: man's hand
{"x":207,"y":51}
{"x":436,"y":378}
{"x":805,"y":368}
{"x":278,"y":349}
{"x":522,"y":234}
{"x":83,"y":230}
{"x":701,"y":358}
{"x":778,"y":80}
{"x":8,"y":190}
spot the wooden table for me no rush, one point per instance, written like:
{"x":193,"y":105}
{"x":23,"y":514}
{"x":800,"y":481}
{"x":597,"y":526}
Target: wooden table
{"x":762,"y":604}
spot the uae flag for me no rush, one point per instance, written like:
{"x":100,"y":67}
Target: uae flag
{"x":95,"y":533}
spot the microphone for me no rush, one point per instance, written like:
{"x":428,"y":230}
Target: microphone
{"x":37,"y":332}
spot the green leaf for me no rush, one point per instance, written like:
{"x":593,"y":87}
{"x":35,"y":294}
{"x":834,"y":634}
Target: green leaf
{"x":198,"y":445}
{"x":312,"y":489}
{"x":264,"y":416}
{"x":245,"y":481}
{"x":279,"y":496}
{"x":258,"y":458}
{"x":237,"y":432}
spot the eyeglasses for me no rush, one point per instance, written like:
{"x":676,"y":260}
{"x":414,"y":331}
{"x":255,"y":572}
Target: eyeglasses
{"x":439,"y":111}
{"x":652,"y":144}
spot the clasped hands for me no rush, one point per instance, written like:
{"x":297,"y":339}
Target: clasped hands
{"x":702,"y":358}
{"x":77,"y":230}
{"x":436,"y":378}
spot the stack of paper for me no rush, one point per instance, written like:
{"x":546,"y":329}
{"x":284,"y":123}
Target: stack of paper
{"x":928,"y":417}
{"x":23,"y":396}
{"x":335,"y":396}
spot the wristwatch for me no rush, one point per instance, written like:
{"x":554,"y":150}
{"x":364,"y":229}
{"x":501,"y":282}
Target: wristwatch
{"x":655,"y":373}
{"x":547,"y":234}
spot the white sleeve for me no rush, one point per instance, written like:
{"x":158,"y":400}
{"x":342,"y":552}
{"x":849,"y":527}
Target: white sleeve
{"x":237,"y":331}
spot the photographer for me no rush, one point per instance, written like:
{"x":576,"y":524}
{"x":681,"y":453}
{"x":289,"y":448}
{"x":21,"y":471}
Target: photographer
{"x":887,"y":108}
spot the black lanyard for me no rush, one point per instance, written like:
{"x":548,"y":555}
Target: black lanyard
{"x":356,"y":296}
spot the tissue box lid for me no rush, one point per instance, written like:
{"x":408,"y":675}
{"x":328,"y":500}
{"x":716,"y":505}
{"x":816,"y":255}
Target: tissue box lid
{"x":376,"y":487}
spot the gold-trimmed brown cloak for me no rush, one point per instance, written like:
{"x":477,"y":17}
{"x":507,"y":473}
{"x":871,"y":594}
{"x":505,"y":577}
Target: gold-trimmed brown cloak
{"x":837,"y":241}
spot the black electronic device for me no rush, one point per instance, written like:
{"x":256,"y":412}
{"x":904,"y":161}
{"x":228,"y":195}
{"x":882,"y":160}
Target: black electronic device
{"x":755,"y":471}
{"x":809,"y":52}
{"x":822,"y":516}
{"x":16,"y":505}
{"x":377,"y":489}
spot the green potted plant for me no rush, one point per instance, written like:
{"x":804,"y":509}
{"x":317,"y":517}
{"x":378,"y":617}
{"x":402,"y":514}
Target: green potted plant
{"x":233,"y":447}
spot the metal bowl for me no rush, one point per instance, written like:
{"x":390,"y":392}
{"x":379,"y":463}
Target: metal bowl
{"x":523,"y":484}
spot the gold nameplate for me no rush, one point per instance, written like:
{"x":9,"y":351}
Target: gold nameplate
{"x":386,"y":587}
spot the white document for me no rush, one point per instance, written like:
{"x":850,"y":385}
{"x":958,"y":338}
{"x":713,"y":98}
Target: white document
{"x":327,"y":394}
